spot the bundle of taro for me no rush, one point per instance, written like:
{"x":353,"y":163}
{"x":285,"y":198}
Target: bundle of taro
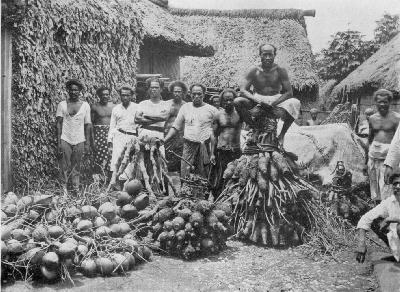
{"x":142,"y":159}
{"x":45,"y":237}
{"x":190,"y":228}
{"x":269,"y":201}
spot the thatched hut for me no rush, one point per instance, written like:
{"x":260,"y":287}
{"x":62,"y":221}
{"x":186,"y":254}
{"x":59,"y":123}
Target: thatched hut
{"x":46,"y":42}
{"x":237,"y":34}
{"x":381,"y":70}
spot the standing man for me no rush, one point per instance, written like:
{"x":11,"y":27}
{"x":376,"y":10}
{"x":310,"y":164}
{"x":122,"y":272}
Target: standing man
{"x":267,"y":80}
{"x":179,"y":91}
{"x":101,"y":117}
{"x":73,"y":133}
{"x":382,"y":127}
{"x":225,"y":137}
{"x":194,"y":119}
{"x":122,"y":125}
{"x":216,"y":101}
{"x":392,"y":160}
{"x":151,"y":114}
{"x":389,"y":210}
{"x":313,"y":121}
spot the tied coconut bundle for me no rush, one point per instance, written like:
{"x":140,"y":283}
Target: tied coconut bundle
{"x":51,"y":238}
{"x":141,"y":159}
{"x":189,"y":227}
{"x":269,"y":201}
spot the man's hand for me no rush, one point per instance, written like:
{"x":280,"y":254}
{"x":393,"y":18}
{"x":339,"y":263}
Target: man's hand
{"x":361,"y":251}
{"x":212,"y":159}
{"x":110,"y":151}
{"x":385,"y":223}
{"x":387,"y":174}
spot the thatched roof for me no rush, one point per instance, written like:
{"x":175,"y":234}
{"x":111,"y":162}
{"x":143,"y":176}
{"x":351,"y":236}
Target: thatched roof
{"x":381,"y":70}
{"x":237,"y":34}
{"x":163,"y":28}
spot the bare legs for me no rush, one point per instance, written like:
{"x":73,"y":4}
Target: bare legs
{"x":287,"y":122}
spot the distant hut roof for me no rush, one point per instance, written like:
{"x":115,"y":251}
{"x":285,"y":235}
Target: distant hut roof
{"x":237,"y":34}
{"x":381,"y":70}
{"x":160,"y":25}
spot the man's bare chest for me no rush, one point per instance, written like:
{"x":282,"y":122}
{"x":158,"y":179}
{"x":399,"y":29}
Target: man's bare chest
{"x":229,"y":120}
{"x":102,"y":111}
{"x":270,"y":79}
{"x":386,"y":125}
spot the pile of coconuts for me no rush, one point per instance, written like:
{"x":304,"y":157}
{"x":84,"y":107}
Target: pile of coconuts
{"x":47,"y":238}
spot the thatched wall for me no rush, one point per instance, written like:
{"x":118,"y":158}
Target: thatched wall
{"x":237,"y":36}
{"x":96,"y":41}
{"x":381,"y":70}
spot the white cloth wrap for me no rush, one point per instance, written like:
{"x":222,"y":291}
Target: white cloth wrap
{"x":119,"y":142}
{"x":291,"y":105}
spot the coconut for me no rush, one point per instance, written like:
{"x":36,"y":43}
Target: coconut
{"x":146,"y":252}
{"x":88,"y":212}
{"x":56,"y":231}
{"x":40,"y":233}
{"x":129,"y":236}
{"x":72,"y":240}
{"x":4,"y":249}
{"x":48,"y":273}
{"x":104,"y":266}
{"x":76,"y":221}
{"x":102,"y":198}
{"x":138,"y":254}
{"x":31,"y":244}
{"x":69,"y":264}
{"x":14,"y":246}
{"x":125,"y":228}
{"x":141,"y":202}
{"x":84,"y":225}
{"x":123,"y":198}
{"x":24,"y":203}
{"x":6,"y":231}
{"x":66,"y":250}
{"x":116,"y":220}
{"x":120,"y":262}
{"x":33,"y":215}
{"x":3,"y":216}
{"x":10,"y":210}
{"x":129,"y":212}
{"x":133,"y":244}
{"x":115,"y":230}
{"x":11,"y":199}
{"x":51,"y":215}
{"x":51,"y":260}
{"x":133,"y":187}
{"x":107,"y":210}
{"x":82,"y":249}
{"x":19,"y":234}
{"x":103,"y":231}
{"x":88,"y":268}
{"x":33,"y":256}
{"x":73,"y":211}
{"x":131,"y":259}
{"x":99,"y":221}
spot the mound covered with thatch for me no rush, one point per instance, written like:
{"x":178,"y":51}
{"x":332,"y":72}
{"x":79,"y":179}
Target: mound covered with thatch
{"x":381,"y":70}
{"x":237,"y":34}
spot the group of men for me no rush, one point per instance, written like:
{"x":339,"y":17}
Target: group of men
{"x":196,"y":135}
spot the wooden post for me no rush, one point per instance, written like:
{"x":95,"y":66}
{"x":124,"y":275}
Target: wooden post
{"x":6,"y":79}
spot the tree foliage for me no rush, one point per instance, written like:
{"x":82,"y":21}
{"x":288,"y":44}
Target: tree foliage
{"x":346,"y":51}
{"x":386,"y":28}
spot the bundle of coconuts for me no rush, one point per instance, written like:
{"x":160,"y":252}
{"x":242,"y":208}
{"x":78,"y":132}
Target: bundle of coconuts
{"x":45,"y":237}
{"x":269,"y":200}
{"x":189,"y":228}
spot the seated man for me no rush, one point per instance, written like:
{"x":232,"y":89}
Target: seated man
{"x":313,"y":121}
{"x":389,"y":210}
{"x":267,"y":80}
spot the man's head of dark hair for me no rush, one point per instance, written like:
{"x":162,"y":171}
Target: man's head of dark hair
{"x":101,"y":89}
{"x":263,"y":45}
{"x":393,"y":176}
{"x":178,"y":83}
{"x":383,"y":92}
{"x":203,"y":87}
{"x":76,"y":82}
{"x":154,"y":79}
{"x":126,"y":86}
{"x":222,"y":94}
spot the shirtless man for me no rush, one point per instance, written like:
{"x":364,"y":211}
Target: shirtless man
{"x":382,"y":127}
{"x":216,"y":101}
{"x":267,"y":80}
{"x":179,"y":91}
{"x":225,"y":137}
{"x":101,"y":117}
{"x":313,"y":121}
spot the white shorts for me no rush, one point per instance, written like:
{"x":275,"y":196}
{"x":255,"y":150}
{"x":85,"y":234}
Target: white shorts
{"x":291,"y":105}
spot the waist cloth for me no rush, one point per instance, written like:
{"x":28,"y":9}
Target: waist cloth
{"x":291,"y":105}
{"x":197,"y":154}
{"x":101,"y":158}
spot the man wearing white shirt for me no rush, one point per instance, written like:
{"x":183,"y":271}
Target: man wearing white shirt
{"x":196,"y":118}
{"x":392,"y":160}
{"x":122,"y":125}
{"x":389,"y":210}
{"x":73,"y":130}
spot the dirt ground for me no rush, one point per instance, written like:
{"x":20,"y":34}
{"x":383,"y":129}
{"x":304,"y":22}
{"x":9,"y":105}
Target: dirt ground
{"x":240,"y":267}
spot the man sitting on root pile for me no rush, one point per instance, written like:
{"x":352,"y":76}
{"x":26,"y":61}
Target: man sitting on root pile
{"x":196,"y":118}
{"x":389,"y":229}
{"x":267,"y":80}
